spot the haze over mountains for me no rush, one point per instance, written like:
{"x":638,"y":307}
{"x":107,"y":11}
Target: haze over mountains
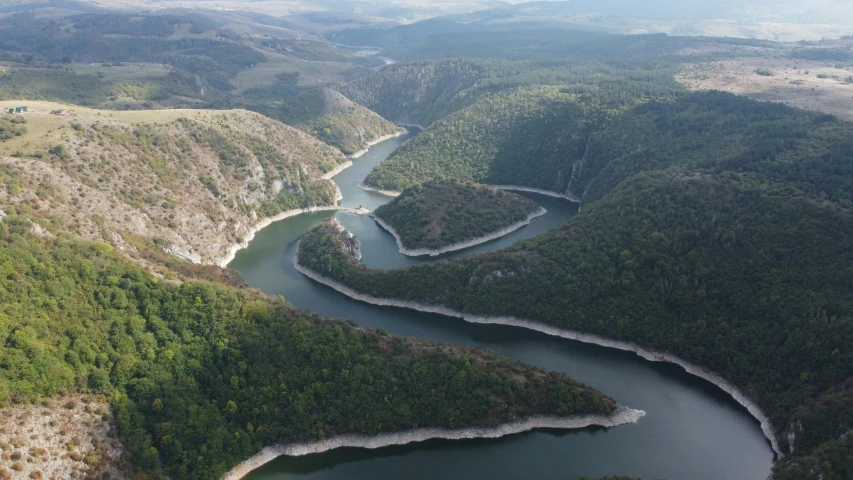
{"x":708,"y":146}
{"x":789,"y":20}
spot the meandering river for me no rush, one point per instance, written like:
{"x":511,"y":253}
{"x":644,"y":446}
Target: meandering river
{"x":692,"y":430}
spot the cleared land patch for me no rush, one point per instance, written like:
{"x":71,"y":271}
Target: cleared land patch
{"x":122,"y":72}
{"x":64,"y":437}
{"x":812,"y":85}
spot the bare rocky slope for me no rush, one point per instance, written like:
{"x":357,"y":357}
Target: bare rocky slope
{"x":64,"y":437}
{"x":195,"y":182}
{"x":331,"y":117}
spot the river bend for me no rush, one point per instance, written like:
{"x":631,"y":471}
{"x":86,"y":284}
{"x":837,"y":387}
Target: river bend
{"x":692,"y":430}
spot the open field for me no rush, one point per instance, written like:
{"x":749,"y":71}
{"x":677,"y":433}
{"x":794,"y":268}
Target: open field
{"x":775,"y":31}
{"x":44,"y":130}
{"x":311,"y":73}
{"x":806,"y":84}
{"x":125,"y":72}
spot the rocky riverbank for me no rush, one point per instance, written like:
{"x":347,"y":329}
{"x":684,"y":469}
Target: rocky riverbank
{"x":340,"y":168}
{"x":456,"y":246}
{"x":743,"y":399}
{"x":387,"y":193}
{"x":232,"y":251}
{"x":370,"y":144}
{"x":621,"y":416}
{"x":518,"y":188}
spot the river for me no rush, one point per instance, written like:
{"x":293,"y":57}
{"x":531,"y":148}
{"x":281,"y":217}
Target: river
{"x":692,"y":430}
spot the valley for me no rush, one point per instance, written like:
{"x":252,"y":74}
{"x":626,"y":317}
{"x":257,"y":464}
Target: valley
{"x":562,"y":240}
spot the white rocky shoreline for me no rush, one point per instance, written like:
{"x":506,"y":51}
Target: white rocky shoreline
{"x":340,"y":168}
{"x":265,"y":222}
{"x":519,"y":188}
{"x":650,"y":355}
{"x":370,"y":144}
{"x":621,"y":416}
{"x":232,"y":251}
{"x":460,"y":245}
{"x":387,"y":193}
{"x":516,"y":188}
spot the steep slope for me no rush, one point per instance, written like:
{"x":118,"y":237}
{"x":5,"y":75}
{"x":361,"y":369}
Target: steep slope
{"x":701,"y":267}
{"x":197,"y":182}
{"x":331,"y":117}
{"x":525,"y":136}
{"x":201,"y":376}
{"x":582,"y":141}
{"x":714,"y":228}
{"x":423,"y":92}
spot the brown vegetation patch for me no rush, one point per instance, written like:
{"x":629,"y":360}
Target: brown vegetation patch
{"x":67,"y":437}
{"x":811,"y":85}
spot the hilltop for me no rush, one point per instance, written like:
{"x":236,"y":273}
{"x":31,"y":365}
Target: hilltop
{"x":683,"y":246}
{"x":442,"y":216}
{"x":126,"y":61}
{"x":194,"y":182}
{"x":331,"y":117}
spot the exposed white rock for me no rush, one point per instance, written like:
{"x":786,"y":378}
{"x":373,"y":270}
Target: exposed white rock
{"x":650,"y":355}
{"x":516,"y":188}
{"x":519,"y":188}
{"x":182,"y":253}
{"x":232,"y":251}
{"x":621,"y":416}
{"x":792,"y":434}
{"x":340,"y":168}
{"x":387,"y":193}
{"x":375,"y":141}
{"x":460,"y":245}
{"x":39,"y":230}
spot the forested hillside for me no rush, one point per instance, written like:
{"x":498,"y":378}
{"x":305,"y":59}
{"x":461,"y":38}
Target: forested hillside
{"x":476,"y":36}
{"x":329,"y":116}
{"x":585,"y":140}
{"x":202,"y":376}
{"x":426,"y":91}
{"x":435,"y":215}
{"x":699,"y":266}
{"x":195,"y":182}
{"x":212,"y":55}
{"x":523,"y":136}
{"x":714,"y":227}
{"x":124,"y":61}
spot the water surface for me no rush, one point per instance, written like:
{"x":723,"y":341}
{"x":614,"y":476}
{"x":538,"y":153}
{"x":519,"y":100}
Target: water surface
{"x":692,"y":430}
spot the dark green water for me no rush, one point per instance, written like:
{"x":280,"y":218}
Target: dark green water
{"x":692,"y":430}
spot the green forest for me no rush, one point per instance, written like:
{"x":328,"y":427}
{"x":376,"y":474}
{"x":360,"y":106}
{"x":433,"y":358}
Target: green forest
{"x":201,"y":375}
{"x":11,"y":126}
{"x":196,"y":47}
{"x":690,"y":264}
{"x":714,"y":227}
{"x":426,"y":91}
{"x":323,"y":114}
{"x":441,"y":213}
{"x":585,"y":140}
